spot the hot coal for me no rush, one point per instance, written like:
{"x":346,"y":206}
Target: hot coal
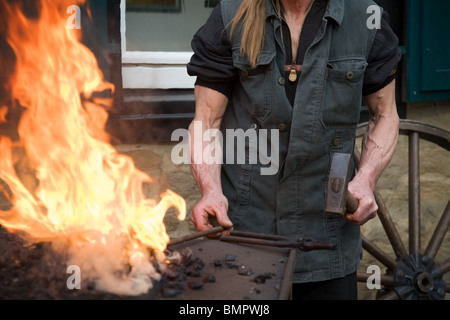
{"x":245,"y":271}
{"x":209,"y":278}
{"x":230,"y":257}
{"x":183,"y":273}
{"x":37,"y":272}
{"x":195,"y":285}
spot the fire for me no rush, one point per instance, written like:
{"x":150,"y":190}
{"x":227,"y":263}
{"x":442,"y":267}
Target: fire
{"x":82,"y":196}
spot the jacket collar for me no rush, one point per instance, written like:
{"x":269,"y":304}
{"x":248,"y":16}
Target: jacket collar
{"x":271,"y":9}
{"x":335,"y":10}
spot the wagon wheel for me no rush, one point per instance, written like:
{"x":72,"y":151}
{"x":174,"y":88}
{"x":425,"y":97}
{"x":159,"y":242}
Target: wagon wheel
{"x":412,"y":274}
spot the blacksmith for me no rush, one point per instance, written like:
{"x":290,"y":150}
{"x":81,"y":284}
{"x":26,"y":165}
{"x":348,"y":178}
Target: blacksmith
{"x":303,"y":68}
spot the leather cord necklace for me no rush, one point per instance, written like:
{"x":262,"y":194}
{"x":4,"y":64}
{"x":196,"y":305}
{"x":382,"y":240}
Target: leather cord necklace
{"x":293,"y":68}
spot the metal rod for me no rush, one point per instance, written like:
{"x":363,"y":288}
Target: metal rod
{"x":282,"y":242}
{"x":378,"y":253}
{"x":439,"y":233}
{"x":196,"y":235}
{"x":414,"y":193}
{"x":263,"y":242}
{"x":255,"y":235}
{"x":286,"y":286}
{"x":385,"y":218}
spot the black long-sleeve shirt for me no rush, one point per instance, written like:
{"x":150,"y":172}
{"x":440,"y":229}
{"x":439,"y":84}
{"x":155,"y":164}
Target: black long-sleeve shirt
{"x":212,"y":61}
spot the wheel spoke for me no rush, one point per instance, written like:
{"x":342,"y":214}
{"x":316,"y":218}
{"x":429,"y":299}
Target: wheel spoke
{"x":414,"y":193}
{"x":390,"y":296}
{"x":445,"y":266}
{"x":439,"y":233}
{"x":389,"y":227}
{"x":385,"y":280}
{"x":378,"y":253}
{"x":385,"y":219}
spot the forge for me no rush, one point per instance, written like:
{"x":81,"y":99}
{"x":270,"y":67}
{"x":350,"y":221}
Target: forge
{"x":195,"y":269}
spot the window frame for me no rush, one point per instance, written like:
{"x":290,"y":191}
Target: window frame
{"x":153,"y":69}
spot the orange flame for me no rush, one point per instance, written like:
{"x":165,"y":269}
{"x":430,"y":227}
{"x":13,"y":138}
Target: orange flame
{"x":3,"y":113}
{"x":86,"y":198}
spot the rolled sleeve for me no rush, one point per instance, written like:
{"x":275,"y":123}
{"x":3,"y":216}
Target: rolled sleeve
{"x":212,"y":61}
{"x":383,"y":60}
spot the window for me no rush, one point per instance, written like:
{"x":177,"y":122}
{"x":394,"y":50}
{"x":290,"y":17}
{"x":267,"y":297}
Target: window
{"x":156,"y":37}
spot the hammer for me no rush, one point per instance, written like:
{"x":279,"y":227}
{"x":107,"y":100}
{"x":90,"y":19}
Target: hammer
{"x":338,"y":195}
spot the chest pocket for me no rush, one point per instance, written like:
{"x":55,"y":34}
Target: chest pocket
{"x":343,"y":92}
{"x":256,"y":83}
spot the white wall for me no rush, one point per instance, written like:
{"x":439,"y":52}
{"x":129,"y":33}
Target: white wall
{"x":150,"y":31}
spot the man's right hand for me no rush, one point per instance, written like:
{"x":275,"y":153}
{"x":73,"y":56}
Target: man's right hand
{"x":210,"y":210}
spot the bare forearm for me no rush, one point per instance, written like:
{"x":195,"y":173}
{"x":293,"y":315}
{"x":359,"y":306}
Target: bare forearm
{"x":205,"y":173}
{"x":380,"y":141}
{"x":378,"y":147}
{"x":210,"y":106}
{"x":213,"y":206}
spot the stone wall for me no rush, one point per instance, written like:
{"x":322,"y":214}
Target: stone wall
{"x":155,"y":160}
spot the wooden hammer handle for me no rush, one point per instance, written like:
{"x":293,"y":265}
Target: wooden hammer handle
{"x":352,"y":203}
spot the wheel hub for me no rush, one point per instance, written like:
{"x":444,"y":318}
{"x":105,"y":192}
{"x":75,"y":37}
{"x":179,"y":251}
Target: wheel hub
{"x":418,"y":278}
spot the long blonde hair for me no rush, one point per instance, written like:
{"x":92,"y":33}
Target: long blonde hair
{"x":252,"y":13}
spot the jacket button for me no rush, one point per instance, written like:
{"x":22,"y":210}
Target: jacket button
{"x":244,"y":73}
{"x":350,"y":75}
{"x":282,"y":127}
{"x":253,"y":126}
{"x":337,"y":142}
{"x":282,"y":81}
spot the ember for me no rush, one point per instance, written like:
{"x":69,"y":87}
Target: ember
{"x":211,"y":271}
{"x":34,"y":272}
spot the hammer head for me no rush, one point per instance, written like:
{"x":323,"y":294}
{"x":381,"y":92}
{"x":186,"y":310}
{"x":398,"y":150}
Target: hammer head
{"x":336,"y":198}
